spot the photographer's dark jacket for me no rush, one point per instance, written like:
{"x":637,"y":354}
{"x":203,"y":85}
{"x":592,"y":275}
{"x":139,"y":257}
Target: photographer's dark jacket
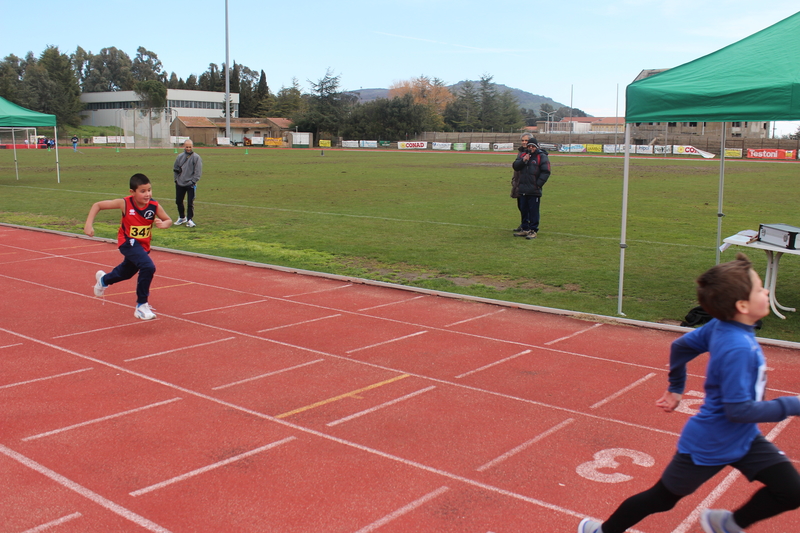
{"x":533,"y":174}
{"x":187,"y":169}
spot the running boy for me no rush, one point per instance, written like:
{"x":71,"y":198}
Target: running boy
{"x":724,"y":431}
{"x":139,"y":213}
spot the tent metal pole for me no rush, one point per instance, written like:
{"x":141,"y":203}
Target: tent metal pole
{"x":58,"y":166}
{"x":14,"y":144}
{"x":720,"y":214}
{"x":623,"y":231}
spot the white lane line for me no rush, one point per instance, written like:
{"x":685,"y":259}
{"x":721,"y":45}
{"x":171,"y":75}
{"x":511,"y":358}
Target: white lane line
{"x":724,"y":485}
{"x":581,"y":332}
{"x":224,"y":307}
{"x":83,"y":491}
{"x":390,"y":303}
{"x":319,"y":291}
{"x":97,"y":420}
{"x":52,"y":523}
{"x":101,"y":329}
{"x":501,"y":361}
{"x":44,"y":379}
{"x":300,"y":323}
{"x":524,"y":445}
{"x":208,"y":468}
{"x":180,"y":349}
{"x":11,"y":345}
{"x":623,"y":391}
{"x":403,"y":510}
{"x":474,"y":318}
{"x":386,"y":342}
{"x":267,"y":375}
{"x":381,"y":406}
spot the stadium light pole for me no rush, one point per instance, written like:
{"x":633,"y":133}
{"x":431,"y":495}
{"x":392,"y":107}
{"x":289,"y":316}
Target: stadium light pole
{"x":227,"y":78}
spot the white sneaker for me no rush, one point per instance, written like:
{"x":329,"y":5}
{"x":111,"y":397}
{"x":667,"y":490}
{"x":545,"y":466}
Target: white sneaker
{"x":99,"y":288}
{"x":718,"y":521}
{"x":180,"y":221}
{"x":144,"y":311}
{"x":190,"y":224}
{"x":588,"y":525}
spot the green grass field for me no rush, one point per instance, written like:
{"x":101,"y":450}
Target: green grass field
{"x":440,"y":220}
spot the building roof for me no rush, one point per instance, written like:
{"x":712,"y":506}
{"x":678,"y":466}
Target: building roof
{"x":282,"y":123}
{"x":197,"y":122}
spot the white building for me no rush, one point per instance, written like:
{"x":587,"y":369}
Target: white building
{"x":102,"y":108}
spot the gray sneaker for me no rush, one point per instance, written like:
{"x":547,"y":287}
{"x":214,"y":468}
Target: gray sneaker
{"x":588,"y":525}
{"x":181,"y":220}
{"x":531,"y":235}
{"x":190,"y":224}
{"x":144,"y":312}
{"x":521,"y":233}
{"x":718,"y":521}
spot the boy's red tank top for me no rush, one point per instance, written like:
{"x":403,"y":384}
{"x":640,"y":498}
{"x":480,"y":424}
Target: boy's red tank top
{"x":137,"y":223}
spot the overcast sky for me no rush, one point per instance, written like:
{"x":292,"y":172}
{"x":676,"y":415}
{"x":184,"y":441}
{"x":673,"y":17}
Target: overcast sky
{"x":587,"y":50}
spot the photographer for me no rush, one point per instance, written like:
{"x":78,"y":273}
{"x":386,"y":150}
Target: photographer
{"x":534,"y":170}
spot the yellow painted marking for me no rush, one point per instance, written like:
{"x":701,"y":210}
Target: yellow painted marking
{"x":157,"y":288}
{"x":66,"y":247}
{"x":352,"y":394}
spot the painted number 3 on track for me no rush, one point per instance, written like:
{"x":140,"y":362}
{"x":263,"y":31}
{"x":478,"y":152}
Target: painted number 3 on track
{"x":607,"y":460}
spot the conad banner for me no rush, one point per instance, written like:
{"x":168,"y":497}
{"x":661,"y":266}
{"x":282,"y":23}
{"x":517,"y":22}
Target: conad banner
{"x":691,"y":150}
{"x":349,"y":144}
{"x":478,"y":146}
{"x":459,"y":146}
{"x":770,"y":153}
{"x":368,"y":144}
{"x":326,"y":143}
{"x":503,"y":147}
{"x":412,"y":145}
{"x":733,"y":152}
{"x":441,"y":146}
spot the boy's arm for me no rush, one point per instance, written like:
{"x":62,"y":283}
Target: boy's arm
{"x":682,"y":351}
{"x":764,"y":411}
{"x":162,"y":220}
{"x":88,"y":227}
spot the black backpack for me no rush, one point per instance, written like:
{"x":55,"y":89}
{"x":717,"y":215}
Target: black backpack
{"x":697,"y":316}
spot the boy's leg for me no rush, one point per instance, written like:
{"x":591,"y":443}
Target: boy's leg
{"x":136,"y":260}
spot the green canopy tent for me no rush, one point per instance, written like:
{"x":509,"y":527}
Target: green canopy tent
{"x":13,"y":116}
{"x":755,"y":79}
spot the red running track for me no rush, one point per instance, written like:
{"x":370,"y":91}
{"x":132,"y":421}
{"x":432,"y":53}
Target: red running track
{"x":262,"y":400}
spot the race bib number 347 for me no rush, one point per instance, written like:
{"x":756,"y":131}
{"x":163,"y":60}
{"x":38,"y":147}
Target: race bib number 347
{"x":140,"y":232}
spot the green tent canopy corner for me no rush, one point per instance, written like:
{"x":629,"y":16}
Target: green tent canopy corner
{"x":755,"y":79}
{"x":13,"y":116}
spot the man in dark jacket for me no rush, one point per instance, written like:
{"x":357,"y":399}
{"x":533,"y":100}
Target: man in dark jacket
{"x":534,"y":170}
{"x":187,"y":170}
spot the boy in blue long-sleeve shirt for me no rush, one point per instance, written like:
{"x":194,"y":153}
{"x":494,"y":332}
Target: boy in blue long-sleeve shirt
{"x":724,"y":431}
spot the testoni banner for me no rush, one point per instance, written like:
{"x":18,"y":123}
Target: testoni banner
{"x":479,"y":146}
{"x":325,"y":143}
{"x":770,"y":153}
{"x":660,"y":149}
{"x":222,"y":141}
{"x":99,"y":140}
{"x":349,"y":144}
{"x":733,"y":152}
{"x":691,"y":150}
{"x":441,"y":146}
{"x":503,"y":147}
{"x":644,"y":149}
{"x":459,"y":146}
{"x":120,"y":139}
{"x":368,"y":144}
{"x":412,"y":145}
{"x":594,"y":148}
{"x":550,"y":147}
{"x":257,"y":140}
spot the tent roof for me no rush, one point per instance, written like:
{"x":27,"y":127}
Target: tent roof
{"x":12,"y":115}
{"x":757,"y":78}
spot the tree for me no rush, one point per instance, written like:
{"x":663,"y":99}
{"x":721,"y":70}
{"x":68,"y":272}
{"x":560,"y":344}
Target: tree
{"x":11,"y":70}
{"x":463,"y":113}
{"x":289,"y":101}
{"x":65,"y":101}
{"x":326,"y":107}
{"x":81,"y":64}
{"x":211,"y":79}
{"x":174,"y":82}
{"x":151,"y":93}
{"x":146,"y":66}
{"x":433,"y":94}
{"x":388,"y":119}
{"x":109,"y":70}
{"x":489,"y":109}
{"x":191,"y":83}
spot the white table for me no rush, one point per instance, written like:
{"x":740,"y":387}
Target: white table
{"x":774,"y":254}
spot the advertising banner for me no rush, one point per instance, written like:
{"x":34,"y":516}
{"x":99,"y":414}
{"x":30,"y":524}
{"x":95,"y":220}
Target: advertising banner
{"x":478,"y":146}
{"x":223,"y":141}
{"x":550,"y":147}
{"x":770,"y":153}
{"x":691,"y":150}
{"x":613,"y":148}
{"x":384,"y":143}
{"x":659,"y":149}
{"x":733,"y":152}
{"x":412,"y":145}
{"x":572,"y":148}
{"x":349,"y":144}
{"x":273,"y":141}
{"x":120,"y":139}
{"x":459,"y":146}
{"x":597,"y":148}
{"x":368,"y":144}
{"x":503,"y":147}
{"x":326,"y":143}
{"x":257,"y":140}
{"x":99,"y":140}
{"x":644,"y":149}
{"x":441,"y":146}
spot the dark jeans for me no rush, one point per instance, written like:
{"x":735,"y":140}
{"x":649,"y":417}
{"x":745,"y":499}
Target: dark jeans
{"x":136,"y":260}
{"x":529,"y":210}
{"x":180,"y":193}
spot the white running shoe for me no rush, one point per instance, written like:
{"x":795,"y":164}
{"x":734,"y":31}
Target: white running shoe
{"x":99,"y":288}
{"x":180,"y":221}
{"x":588,"y":525}
{"x":144,"y":311}
{"x":190,"y":224}
{"x":718,"y":521}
